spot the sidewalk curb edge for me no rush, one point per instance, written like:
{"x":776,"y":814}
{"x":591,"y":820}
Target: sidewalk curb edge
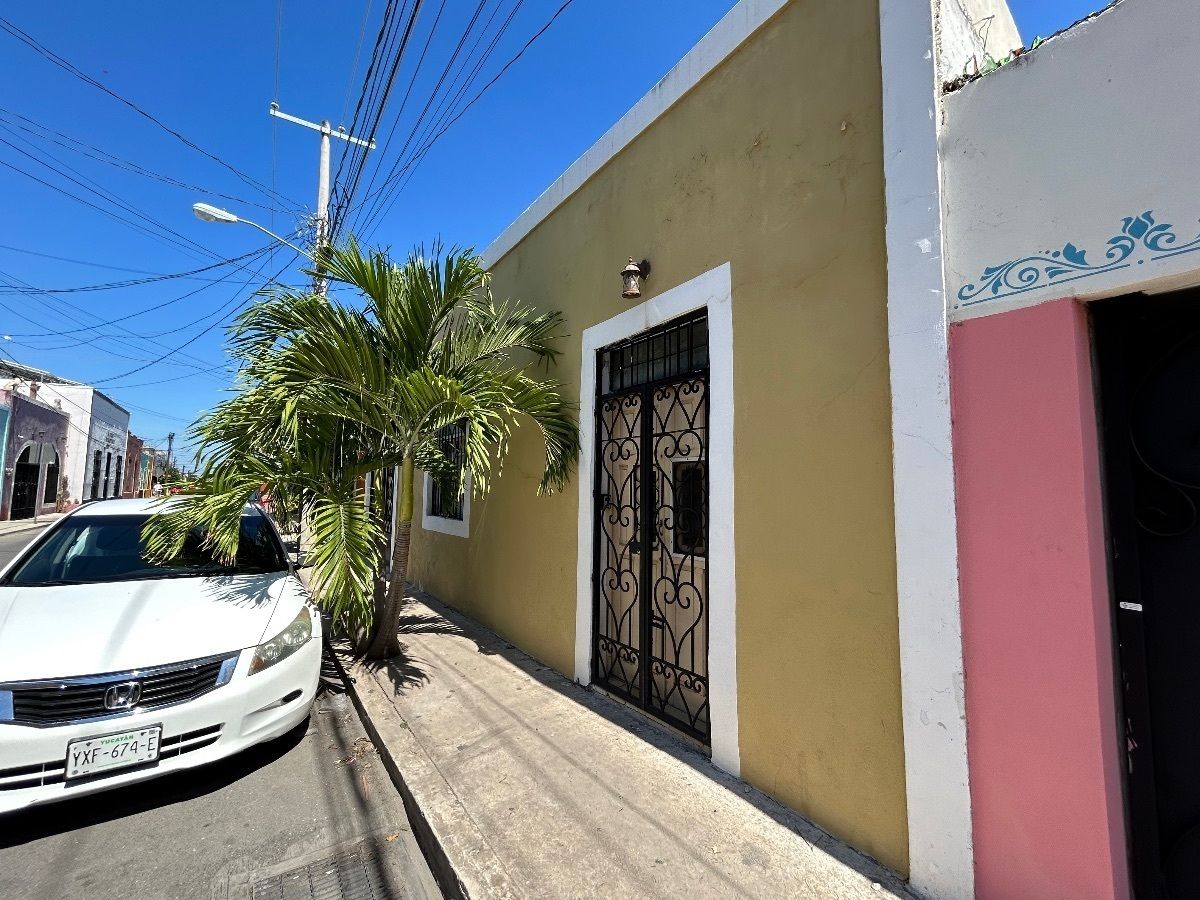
{"x":431,"y":848}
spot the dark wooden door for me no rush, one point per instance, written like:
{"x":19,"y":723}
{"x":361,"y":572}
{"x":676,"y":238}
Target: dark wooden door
{"x":1148,"y":353}
{"x":25,"y":485}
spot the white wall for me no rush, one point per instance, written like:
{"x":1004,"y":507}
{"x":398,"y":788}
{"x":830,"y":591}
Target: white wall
{"x":1070,"y":172}
{"x":97,"y":423}
{"x":968,"y":30}
{"x":935,"y":752}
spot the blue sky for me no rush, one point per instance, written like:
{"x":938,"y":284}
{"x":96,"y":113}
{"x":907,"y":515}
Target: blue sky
{"x":208,"y":72}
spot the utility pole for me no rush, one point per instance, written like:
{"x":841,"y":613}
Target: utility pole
{"x":170,"y":444}
{"x":326,"y":133}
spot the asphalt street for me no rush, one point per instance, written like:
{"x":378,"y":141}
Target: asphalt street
{"x":312,"y":814}
{"x":11,"y":544}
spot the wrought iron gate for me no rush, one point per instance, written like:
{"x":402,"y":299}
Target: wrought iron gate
{"x":650,"y":571}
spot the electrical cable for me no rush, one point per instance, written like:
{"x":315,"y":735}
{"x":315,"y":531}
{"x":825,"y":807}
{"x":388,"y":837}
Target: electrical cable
{"x":67,"y":66}
{"x":70,"y":424}
{"x":34,"y":290}
{"x":203,"y":365}
{"x":132,"y":282}
{"x":358,"y":159}
{"x":87,"y":203}
{"x":44,"y":132}
{"x":416,"y":128}
{"x":380,"y":40}
{"x":96,"y":265}
{"x":89,"y":184}
{"x":382,"y":154}
{"x":362,"y":33}
{"x":196,"y":337}
{"x":416,"y":160}
{"x":121,"y":341}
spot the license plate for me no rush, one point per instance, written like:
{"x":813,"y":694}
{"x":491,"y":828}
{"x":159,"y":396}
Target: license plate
{"x":92,"y":756}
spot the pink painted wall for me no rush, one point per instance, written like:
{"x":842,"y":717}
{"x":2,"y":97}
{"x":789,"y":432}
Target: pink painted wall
{"x":1037,"y":640}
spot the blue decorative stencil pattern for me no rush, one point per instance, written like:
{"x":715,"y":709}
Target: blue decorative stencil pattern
{"x":1140,"y":238}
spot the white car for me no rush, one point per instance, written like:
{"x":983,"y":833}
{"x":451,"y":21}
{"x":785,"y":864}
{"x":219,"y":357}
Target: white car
{"x":114,"y":670}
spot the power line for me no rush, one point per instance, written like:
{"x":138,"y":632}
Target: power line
{"x":417,"y":125}
{"x":151,"y":339}
{"x":384,"y":28}
{"x":67,"y":66}
{"x":196,"y":337}
{"x":163,"y":380}
{"x":359,"y":159}
{"x":100,"y":335}
{"x":96,"y":265}
{"x":153,"y":412}
{"x":89,"y":184}
{"x":382,"y":208}
{"x":70,"y":424}
{"x":343,"y":208}
{"x":362,"y":33}
{"x":123,"y":342}
{"x":54,"y":136}
{"x":87,"y":203}
{"x":132,"y":282}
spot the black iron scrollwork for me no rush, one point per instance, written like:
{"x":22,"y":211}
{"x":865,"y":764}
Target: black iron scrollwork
{"x":651,"y":602}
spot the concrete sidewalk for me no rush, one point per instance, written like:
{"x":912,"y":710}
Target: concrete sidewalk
{"x":16,"y":526}
{"x":523,"y":784}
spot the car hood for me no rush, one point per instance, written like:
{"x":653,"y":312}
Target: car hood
{"x":88,"y":629}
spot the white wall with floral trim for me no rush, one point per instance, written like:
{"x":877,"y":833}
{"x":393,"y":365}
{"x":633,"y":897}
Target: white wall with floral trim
{"x":1071,"y":171}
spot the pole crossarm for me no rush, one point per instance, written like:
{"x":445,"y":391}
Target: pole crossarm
{"x":322,"y":127}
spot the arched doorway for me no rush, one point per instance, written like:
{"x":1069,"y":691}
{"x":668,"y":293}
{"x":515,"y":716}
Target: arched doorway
{"x":25,"y":484}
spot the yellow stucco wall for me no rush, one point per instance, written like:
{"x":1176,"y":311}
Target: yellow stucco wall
{"x":773,"y":163}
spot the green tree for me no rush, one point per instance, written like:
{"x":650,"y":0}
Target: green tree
{"x":328,"y":392}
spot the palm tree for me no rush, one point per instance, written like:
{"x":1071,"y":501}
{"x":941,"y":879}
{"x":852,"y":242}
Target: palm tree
{"x":329,"y":392}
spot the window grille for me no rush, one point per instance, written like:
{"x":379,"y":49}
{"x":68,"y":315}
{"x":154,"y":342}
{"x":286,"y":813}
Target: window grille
{"x":676,"y":350}
{"x":446,"y":497}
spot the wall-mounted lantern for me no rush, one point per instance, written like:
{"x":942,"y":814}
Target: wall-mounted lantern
{"x":631,"y":277}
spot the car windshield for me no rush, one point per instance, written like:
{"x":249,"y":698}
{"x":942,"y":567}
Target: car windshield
{"x":86,"y":549}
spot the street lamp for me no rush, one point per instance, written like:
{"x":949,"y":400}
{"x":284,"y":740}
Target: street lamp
{"x":206,"y":212}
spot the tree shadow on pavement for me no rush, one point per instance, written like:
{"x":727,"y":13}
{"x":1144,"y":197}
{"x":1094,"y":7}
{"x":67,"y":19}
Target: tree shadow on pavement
{"x":405,"y":670}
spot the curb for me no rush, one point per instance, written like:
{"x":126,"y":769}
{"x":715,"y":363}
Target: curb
{"x":20,"y":529}
{"x":439,"y":863}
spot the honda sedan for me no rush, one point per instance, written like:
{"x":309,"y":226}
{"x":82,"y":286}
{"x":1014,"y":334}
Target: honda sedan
{"x":116,"y":669}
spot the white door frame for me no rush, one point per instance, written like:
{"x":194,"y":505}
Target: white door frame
{"x":712,"y":291}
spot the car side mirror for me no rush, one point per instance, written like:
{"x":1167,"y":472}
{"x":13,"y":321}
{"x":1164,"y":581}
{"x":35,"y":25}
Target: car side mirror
{"x":302,"y":561}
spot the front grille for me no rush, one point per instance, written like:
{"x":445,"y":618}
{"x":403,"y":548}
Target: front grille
{"x":55,"y":701}
{"x":54,"y":771}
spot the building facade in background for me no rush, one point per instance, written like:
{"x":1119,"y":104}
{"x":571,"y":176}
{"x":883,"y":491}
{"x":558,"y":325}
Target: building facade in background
{"x":34,"y":456}
{"x":96,"y":451}
{"x":72,"y":436}
{"x":131,"y":485}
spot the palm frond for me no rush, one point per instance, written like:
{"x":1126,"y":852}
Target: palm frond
{"x":328,"y":392}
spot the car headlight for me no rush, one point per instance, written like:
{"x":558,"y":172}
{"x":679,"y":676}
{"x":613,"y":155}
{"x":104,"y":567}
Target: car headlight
{"x":284,"y":644}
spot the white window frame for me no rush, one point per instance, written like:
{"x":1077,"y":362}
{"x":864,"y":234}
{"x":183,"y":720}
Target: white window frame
{"x":712,"y":291}
{"x":454,"y":527}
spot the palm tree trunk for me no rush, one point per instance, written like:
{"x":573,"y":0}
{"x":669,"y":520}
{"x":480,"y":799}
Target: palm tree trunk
{"x":385,"y":644}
